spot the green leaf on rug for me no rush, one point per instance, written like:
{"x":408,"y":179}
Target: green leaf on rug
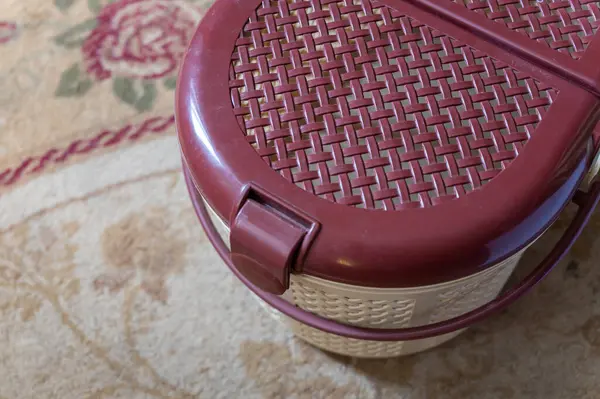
{"x":146,"y":101}
{"x":63,"y":5}
{"x":72,"y":84}
{"x":96,"y":6}
{"x":141,"y":95}
{"x":124,"y":89}
{"x":170,"y":82}
{"x":74,"y":36}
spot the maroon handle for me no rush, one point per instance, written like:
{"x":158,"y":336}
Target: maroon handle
{"x":586,"y":208}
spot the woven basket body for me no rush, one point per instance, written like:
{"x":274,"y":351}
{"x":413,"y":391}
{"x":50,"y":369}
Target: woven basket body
{"x":383,"y":308}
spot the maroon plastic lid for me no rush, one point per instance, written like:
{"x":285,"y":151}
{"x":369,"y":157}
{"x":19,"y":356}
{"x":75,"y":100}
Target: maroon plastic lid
{"x":378,"y":143}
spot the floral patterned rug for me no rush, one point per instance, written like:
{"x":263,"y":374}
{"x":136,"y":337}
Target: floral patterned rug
{"x":109,"y":288}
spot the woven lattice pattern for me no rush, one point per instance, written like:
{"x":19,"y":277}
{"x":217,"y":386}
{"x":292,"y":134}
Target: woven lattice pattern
{"x":357,"y":311}
{"x":472,"y":294}
{"x":367,"y":107}
{"x":349,"y":346}
{"x":564,"y":25}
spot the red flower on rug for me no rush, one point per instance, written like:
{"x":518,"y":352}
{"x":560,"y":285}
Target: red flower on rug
{"x":8,"y":31}
{"x":139,"y":38}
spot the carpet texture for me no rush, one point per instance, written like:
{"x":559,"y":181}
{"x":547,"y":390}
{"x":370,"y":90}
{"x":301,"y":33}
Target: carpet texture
{"x":109,"y":288}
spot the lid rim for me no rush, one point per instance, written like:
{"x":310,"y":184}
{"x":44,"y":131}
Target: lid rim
{"x":223,"y":165}
{"x":461,"y":272}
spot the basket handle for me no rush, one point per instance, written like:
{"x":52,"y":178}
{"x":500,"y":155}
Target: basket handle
{"x":586,"y":202}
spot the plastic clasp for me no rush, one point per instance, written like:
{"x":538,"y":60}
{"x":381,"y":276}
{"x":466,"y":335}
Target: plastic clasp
{"x":267,"y":239}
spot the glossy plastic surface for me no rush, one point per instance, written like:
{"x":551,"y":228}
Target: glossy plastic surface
{"x":263,"y":246}
{"x":408,"y":247}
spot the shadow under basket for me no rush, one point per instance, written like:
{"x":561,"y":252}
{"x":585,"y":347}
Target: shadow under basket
{"x":373,"y":171}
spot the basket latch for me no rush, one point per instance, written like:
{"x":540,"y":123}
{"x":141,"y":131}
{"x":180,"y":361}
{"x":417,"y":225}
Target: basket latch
{"x":266,"y":239}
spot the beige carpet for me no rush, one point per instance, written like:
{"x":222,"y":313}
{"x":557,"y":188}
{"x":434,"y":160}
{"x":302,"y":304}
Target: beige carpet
{"x":108,"y":287}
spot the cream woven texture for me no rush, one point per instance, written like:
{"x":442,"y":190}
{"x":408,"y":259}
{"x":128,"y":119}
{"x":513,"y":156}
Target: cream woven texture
{"x":384,"y":307}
